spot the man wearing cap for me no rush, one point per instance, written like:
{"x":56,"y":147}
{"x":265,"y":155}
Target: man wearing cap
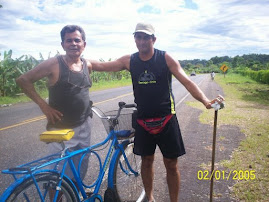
{"x":151,"y":70}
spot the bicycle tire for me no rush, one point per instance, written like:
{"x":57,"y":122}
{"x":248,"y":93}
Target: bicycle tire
{"x":45,"y":181}
{"x":127,"y":186}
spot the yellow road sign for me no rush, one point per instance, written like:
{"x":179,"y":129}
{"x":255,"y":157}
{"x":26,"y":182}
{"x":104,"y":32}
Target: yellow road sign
{"x":224,"y":68}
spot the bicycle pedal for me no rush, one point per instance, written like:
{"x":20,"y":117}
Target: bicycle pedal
{"x":89,"y":194}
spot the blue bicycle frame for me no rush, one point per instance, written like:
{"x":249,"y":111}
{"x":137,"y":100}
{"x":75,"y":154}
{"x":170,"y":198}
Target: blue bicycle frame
{"x":30,"y":170}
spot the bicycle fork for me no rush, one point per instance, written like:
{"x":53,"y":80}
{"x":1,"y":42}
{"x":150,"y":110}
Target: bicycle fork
{"x":119,"y":150}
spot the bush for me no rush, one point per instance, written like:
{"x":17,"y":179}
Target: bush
{"x":261,"y":76}
{"x":109,"y":76}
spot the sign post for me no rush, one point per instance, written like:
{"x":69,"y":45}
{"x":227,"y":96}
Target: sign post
{"x":224,"y":68}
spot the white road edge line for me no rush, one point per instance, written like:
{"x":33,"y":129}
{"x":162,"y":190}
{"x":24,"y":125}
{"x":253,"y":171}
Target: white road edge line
{"x":187,"y":95}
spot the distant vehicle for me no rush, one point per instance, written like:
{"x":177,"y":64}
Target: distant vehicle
{"x":193,"y":73}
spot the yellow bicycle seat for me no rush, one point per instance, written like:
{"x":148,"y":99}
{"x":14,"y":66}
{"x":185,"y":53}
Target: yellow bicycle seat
{"x":57,"y":135}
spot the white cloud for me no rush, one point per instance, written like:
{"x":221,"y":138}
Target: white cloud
{"x":186,"y":29}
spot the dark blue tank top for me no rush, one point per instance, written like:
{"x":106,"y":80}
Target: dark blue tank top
{"x":152,"y":85}
{"x":70,"y":95}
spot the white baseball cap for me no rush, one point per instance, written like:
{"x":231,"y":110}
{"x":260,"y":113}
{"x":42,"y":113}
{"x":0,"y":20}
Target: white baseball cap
{"x":145,"y":28}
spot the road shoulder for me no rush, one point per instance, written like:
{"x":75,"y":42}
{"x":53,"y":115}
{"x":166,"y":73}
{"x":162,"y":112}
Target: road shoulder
{"x":198,"y":144}
{"x":198,"y":139}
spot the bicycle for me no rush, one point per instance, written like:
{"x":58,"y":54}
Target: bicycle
{"x":34,"y":181}
{"x":212,"y":75}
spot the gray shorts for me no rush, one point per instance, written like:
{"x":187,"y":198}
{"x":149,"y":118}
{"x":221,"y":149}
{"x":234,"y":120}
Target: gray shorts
{"x":80,"y":140}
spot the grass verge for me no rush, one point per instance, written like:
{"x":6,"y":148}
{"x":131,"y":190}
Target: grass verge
{"x":95,"y":87}
{"x":247,"y":106}
{"x":110,"y":84}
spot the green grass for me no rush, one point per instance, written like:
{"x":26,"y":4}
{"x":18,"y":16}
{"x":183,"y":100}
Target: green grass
{"x":246,"y":89}
{"x":247,"y":106}
{"x":19,"y":98}
{"x":95,"y":87}
{"x":110,"y":84}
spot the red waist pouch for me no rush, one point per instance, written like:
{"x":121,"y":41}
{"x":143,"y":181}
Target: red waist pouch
{"x":154,"y":125}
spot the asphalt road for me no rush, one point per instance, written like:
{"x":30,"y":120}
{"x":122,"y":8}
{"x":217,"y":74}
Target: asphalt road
{"x":21,"y":124}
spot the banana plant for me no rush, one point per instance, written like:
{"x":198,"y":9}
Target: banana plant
{"x":10,"y":69}
{"x":7,"y":81}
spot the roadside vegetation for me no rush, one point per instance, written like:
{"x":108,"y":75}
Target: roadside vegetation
{"x":247,"y":106}
{"x":11,"y":68}
{"x":7,"y":100}
{"x":254,"y":65}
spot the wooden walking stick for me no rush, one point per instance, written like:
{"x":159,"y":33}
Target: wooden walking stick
{"x":216,"y":106}
{"x":213,"y":154}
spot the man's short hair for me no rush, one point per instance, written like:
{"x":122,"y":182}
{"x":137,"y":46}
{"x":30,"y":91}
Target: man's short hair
{"x":72,"y":28}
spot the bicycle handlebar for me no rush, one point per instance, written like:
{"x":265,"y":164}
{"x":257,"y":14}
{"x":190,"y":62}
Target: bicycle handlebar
{"x":121,"y":106}
{"x":124,"y":105}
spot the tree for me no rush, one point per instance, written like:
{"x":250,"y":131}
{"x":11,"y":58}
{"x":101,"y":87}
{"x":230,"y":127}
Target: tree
{"x":209,"y":63}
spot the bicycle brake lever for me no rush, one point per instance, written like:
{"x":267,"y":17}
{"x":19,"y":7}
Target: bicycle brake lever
{"x":121,"y":104}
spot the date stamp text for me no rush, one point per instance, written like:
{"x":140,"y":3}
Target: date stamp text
{"x":226,"y":175}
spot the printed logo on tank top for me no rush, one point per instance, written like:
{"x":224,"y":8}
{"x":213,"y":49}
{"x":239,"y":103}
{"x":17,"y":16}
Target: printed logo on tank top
{"x":147,"y":78}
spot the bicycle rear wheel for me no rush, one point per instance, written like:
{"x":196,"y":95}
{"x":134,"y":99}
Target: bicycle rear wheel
{"x":127,"y":185}
{"x":47,"y":182}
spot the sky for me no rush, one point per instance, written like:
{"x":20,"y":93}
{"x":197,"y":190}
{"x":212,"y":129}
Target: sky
{"x":186,"y":29}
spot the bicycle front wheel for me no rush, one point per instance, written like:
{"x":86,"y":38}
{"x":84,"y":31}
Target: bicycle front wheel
{"x":128,"y":185}
{"x":47,"y":183}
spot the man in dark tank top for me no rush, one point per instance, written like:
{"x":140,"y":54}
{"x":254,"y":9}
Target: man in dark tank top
{"x":151,"y":70}
{"x":68,"y":84}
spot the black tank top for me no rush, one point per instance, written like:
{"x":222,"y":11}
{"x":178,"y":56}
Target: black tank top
{"x":70,"y":95}
{"x":152,"y":82}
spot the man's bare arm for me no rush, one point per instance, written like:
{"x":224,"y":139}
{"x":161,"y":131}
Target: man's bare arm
{"x":112,"y":66}
{"x":182,"y":77}
{"x":26,"y":82}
